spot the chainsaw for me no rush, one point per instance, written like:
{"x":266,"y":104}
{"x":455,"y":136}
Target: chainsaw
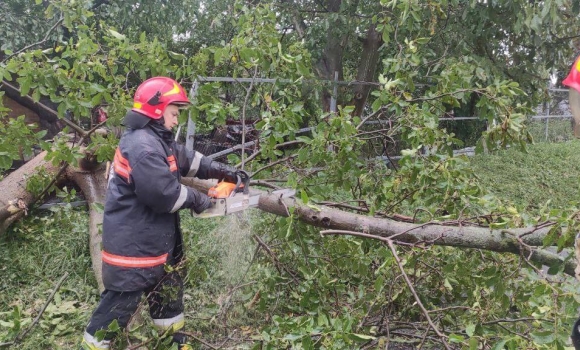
{"x":228,"y":198}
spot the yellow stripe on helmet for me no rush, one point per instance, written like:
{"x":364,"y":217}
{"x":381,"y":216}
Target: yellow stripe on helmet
{"x":173,"y":91}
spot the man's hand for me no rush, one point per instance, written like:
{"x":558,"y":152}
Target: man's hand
{"x":224,"y":172}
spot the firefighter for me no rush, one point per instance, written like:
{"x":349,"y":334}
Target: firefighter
{"x":141,"y":233}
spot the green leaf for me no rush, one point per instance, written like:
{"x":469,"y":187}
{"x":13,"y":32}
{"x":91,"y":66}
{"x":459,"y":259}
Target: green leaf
{"x":361,"y":337}
{"x":304,"y":197}
{"x":304,"y":139}
{"x":98,"y":207}
{"x":545,"y":337}
{"x":96,"y":100}
{"x":473,"y":344}
{"x":116,"y":34}
{"x":293,"y":337}
{"x":470,"y":329}
{"x":500,"y":344}
{"x":456,"y":338}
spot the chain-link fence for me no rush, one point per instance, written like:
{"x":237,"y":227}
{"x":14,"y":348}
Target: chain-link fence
{"x":552,"y":121}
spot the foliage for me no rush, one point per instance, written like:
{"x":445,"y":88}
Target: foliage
{"x":486,"y":58}
{"x":18,"y":140}
{"x":336,"y":297}
{"x":23,"y":23}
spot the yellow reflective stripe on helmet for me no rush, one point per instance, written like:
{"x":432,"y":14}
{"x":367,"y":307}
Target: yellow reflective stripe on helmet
{"x":173,"y":91}
{"x":137,"y":105}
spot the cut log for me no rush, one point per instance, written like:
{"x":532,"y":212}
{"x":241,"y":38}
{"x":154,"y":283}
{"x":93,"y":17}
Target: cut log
{"x":14,"y":198}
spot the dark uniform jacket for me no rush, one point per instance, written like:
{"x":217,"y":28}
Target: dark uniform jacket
{"x":141,"y":224}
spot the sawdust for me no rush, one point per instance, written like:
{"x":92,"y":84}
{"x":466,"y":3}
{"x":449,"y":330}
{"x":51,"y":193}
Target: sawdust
{"x":235,"y":246}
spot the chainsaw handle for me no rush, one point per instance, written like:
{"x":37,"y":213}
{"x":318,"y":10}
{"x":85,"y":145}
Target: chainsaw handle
{"x":243,"y":178}
{"x":238,"y":184}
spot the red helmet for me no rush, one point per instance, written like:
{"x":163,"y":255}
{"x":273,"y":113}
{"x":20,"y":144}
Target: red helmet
{"x":573,"y":78}
{"x":154,"y":94}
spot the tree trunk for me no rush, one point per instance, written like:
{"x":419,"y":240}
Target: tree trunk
{"x":367,"y":68}
{"x":504,"y":241}
{"x":331,"y":60}
{"x":93,"y":184}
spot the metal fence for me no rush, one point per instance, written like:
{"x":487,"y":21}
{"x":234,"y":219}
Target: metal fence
{"x":552,"y":121}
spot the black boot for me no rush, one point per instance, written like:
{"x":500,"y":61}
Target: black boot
{"x":576,"y":335}
{"x":181,"y":340}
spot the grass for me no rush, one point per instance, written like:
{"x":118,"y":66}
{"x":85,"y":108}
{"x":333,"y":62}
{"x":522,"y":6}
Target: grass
{"x":551,"y":130}
{"x":547,"y":172}
{"x":36,"y":253}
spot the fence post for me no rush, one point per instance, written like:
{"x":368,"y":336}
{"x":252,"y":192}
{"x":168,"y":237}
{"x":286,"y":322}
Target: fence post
{"x":190,"y":133}
{"x":547,"y":120}
{"x":334,"y":96}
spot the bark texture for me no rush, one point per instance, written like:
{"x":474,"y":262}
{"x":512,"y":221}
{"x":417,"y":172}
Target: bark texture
{"x":93,"y":184}
{"x":367,"y":68}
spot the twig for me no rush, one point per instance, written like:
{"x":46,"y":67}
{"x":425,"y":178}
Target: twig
{"x":410,"y":285}
{"x":199,"y":340}
{"x":37,"y":43}
{"x":248,"y":92}
{"x":450,"y":308}
{"x":258,"y":152}
{"x":277,"y":264}
{"x":264,"y":184}
{"x":273,"y":164}
{"x":407,"y":280}
{"x":513,"y":320}
{"x":347,"y":206}
{"x":33,"y":324}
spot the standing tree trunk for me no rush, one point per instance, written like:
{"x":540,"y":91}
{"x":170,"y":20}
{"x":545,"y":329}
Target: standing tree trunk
{"x":331,"y":60}
{"x":367,"y":68}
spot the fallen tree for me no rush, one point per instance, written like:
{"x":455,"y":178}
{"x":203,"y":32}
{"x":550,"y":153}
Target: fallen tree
{"x":524,"y":241}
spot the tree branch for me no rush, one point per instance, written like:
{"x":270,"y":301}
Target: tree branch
{"x":45,"y":39}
